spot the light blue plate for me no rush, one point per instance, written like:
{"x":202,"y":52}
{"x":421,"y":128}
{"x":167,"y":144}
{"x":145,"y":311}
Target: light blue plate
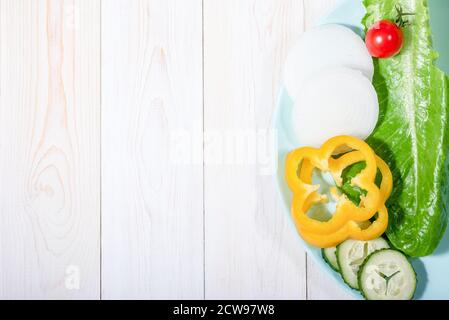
{"x":432,"y":271}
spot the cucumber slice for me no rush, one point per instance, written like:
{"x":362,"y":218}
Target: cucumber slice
{"x":352,"y":253}
{"x":387,"y":275}
{"x":329,"y":255}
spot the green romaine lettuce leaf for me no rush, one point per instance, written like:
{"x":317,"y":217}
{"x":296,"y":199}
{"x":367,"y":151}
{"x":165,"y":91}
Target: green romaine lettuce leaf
{"x":412,"y":134}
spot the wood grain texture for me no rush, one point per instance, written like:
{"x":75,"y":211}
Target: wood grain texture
{"x":320,"y":286}
{"x":251,"y":250}
{"x":152,"y":212}
{"x":140,"y":63}
{"x":50,"y":149}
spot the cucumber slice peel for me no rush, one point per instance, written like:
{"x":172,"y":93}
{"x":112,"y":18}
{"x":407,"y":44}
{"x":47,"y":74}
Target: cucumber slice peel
{"x":330,"y":257}
{"x":352,"y":253}
{"x":387,"y":275}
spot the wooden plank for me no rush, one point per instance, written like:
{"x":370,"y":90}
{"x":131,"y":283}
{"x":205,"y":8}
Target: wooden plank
{"x":251,"y":249}
{"x":320,"y":286}
{"x":49,"y":145}
{"x":152,"y":204}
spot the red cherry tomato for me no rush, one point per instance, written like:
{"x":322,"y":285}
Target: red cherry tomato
{"x":384,"y":39}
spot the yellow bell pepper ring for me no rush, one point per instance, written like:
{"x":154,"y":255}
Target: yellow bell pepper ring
{"x":303,"y":190}
{"x":352,"y":230}
{"x":375,"y":230}
{"x":325,"y":241}
{"x":386,"y":185}
{"x":350,"y":158}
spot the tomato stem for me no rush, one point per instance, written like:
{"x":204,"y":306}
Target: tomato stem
{"x":400,"y":14}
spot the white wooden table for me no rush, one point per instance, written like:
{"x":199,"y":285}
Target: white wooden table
{"x":135,"y":150}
